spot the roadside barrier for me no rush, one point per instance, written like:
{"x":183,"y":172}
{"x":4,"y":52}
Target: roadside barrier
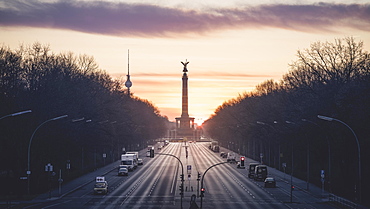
{"x":342,"y":202}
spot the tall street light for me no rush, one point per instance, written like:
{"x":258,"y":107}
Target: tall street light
{"x":358,"y":149}
{"x":181,"y":176}
{"x":202,"y":187}
{"x":29,"y":149}
{"x":15,"y":114}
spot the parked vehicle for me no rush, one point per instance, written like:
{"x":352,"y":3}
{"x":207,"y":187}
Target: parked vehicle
{"x":251,"y":169}
{"x":270,"y":182}
{"x":260,"y":172}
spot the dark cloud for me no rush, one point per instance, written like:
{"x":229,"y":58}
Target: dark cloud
{"x":122,"y":19}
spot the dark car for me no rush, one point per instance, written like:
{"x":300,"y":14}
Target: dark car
{"x":270,"y":182}
{"x":251,"y":169}
{"x":260,"y":173}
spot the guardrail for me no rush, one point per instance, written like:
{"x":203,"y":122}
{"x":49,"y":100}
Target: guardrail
{"x":342,"y":202}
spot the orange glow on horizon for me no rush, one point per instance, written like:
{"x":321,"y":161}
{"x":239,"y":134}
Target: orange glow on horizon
{"x":199,"y":121}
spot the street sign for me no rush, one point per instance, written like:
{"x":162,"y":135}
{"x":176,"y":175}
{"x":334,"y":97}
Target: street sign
{"x":100,"y":179}
{"x":322,"y":174}
{"x":49,"y":167}
{"x":23,"y":177}
{"x":189,"y":169}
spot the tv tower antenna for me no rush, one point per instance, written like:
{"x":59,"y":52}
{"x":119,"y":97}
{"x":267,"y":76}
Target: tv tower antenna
{"x":128,"y":83}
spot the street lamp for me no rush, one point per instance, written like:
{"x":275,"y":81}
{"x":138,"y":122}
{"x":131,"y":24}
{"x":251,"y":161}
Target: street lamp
{"x":358,"y":149}
{"x":29,"y":149}
{"x":181,"y":175}
{"x":15,"y":114}
{"x":202,"y":187}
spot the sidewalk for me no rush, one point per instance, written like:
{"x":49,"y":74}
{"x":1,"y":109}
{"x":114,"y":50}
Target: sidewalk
{"x":81,"y":181}
{"x":300,"y":184}
{"x":66,"y":188}
{"x":314,"y":191}
{"x":77,"y":183}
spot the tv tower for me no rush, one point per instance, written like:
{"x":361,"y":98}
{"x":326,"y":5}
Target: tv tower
{"x":128,"y":83}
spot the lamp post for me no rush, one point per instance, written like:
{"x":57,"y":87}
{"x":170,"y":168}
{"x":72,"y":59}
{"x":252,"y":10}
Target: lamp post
{"x":182,"y":174}
{"x":15,"y":114}
{"x":358,"y":149}
{"x":202,"y":187}
{"x":29,"y":149}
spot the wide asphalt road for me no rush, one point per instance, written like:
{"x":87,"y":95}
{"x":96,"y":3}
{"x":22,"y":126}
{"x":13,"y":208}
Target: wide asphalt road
{"x":156,"y":185}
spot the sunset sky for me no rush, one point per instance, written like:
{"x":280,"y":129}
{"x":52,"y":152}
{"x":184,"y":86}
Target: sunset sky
{"x":231,"y":45}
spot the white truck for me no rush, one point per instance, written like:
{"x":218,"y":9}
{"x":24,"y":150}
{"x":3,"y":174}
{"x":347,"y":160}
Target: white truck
{"x":130,"y":160}
{"x":136,"y":156}
{"x":150,"y":147}
{"x":231,"y":157}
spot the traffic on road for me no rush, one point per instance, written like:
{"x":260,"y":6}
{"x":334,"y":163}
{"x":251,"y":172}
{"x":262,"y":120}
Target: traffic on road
{"x":157,"y":183}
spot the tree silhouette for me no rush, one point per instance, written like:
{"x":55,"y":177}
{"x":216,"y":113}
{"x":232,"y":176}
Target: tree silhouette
{"x":329,"y":79}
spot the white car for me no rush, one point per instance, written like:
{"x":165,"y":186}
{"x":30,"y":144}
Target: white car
{"x":123,"y":172}
{"x":101,"y":188}
{"x":140,"y":161}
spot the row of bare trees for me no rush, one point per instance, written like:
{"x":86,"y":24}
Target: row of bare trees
{"x":102,"y":117}
{"x":279,"y":119}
